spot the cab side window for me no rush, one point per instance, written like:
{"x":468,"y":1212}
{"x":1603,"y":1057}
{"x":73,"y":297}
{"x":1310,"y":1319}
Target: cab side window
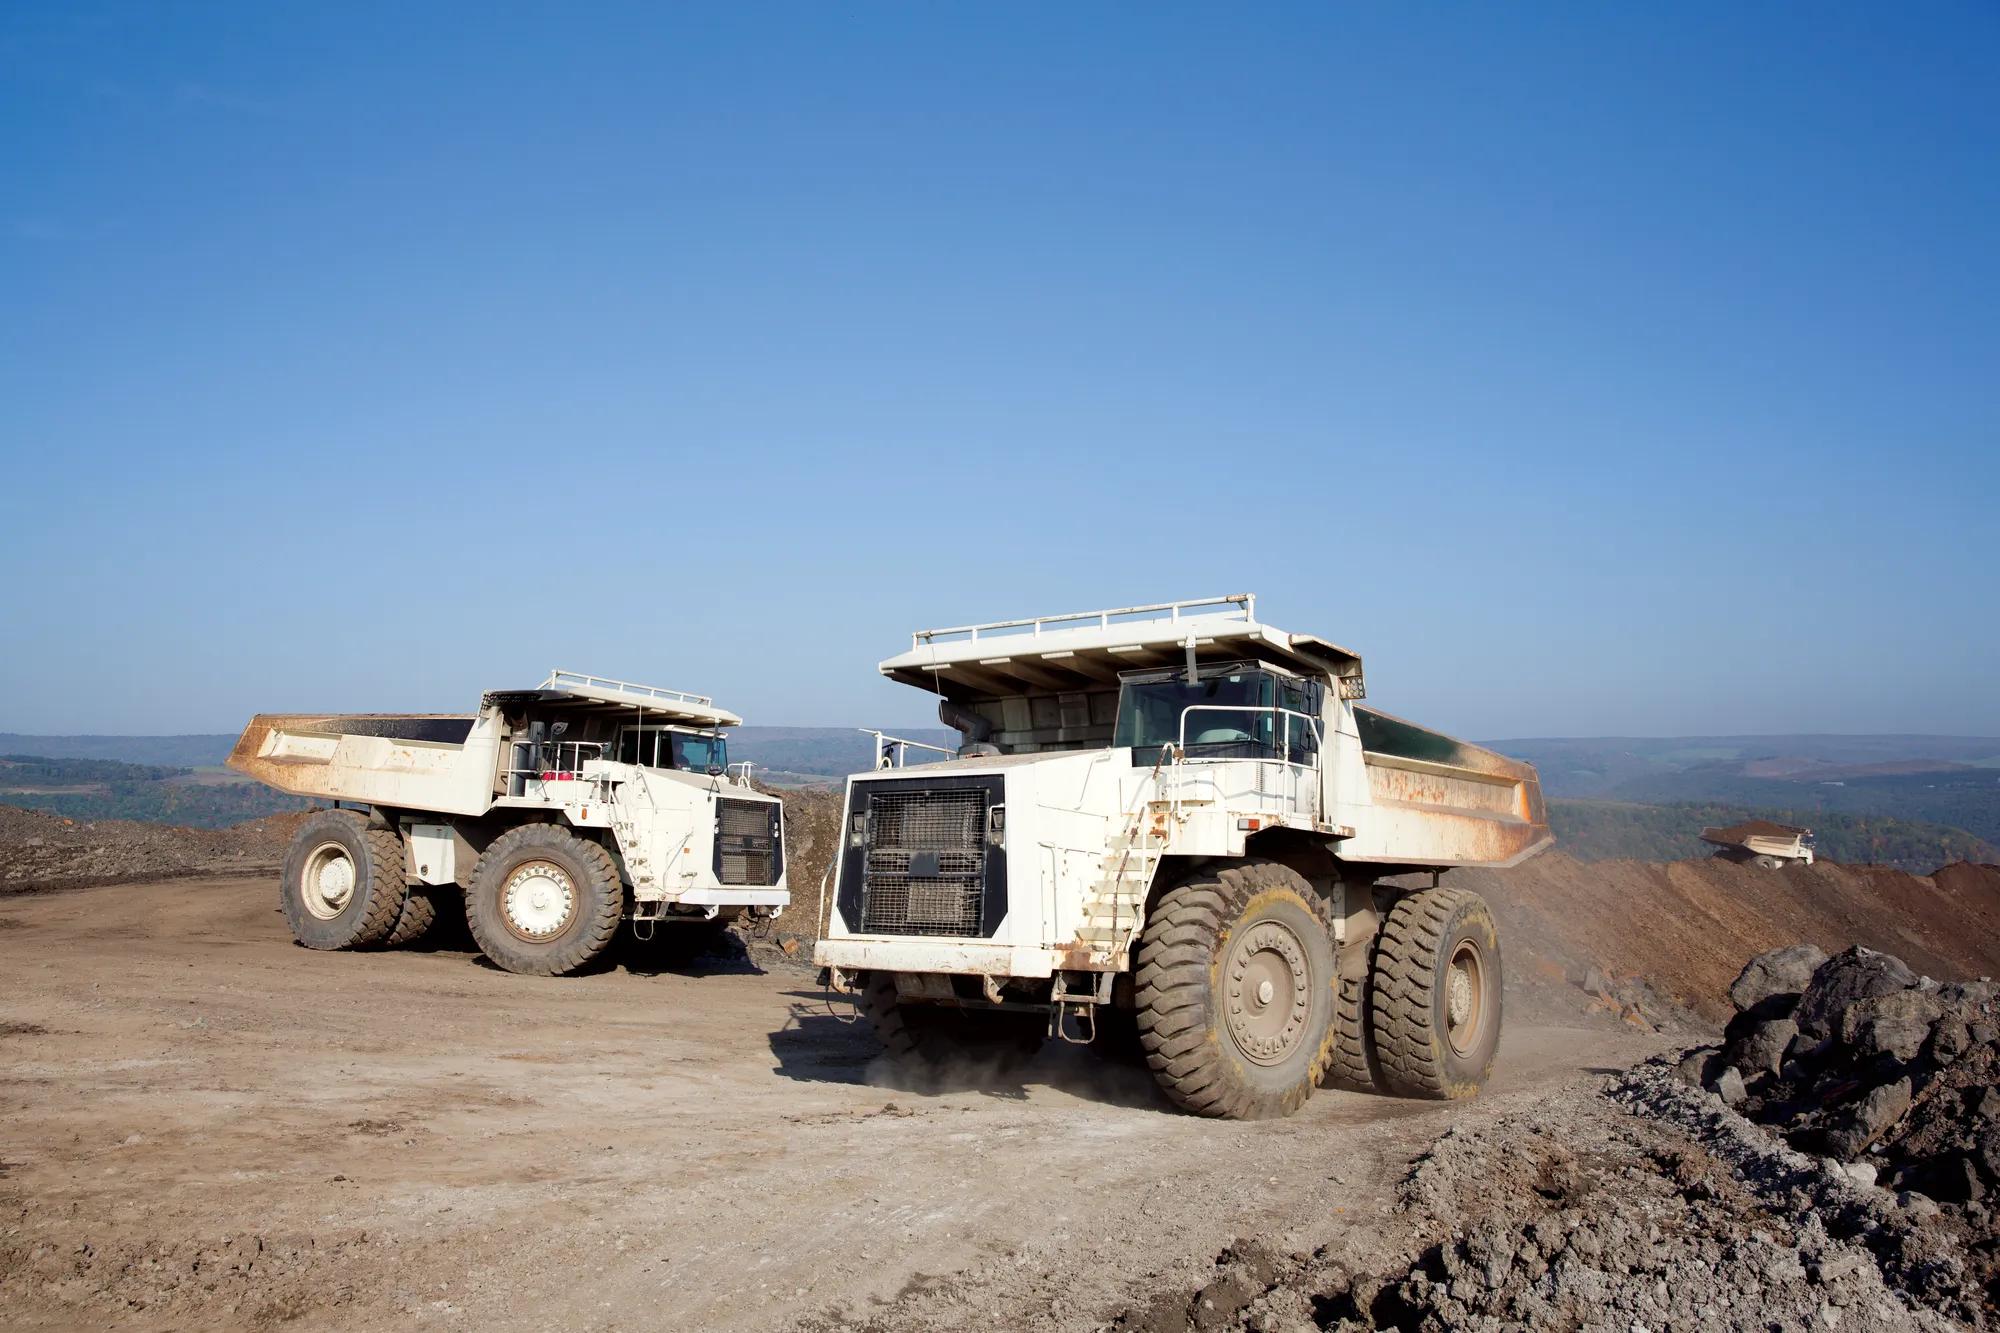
{"x":1300,"y":697}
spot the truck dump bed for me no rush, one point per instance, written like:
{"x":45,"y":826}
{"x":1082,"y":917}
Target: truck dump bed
{"x":451,"y":763}
{"x":414,"y":761}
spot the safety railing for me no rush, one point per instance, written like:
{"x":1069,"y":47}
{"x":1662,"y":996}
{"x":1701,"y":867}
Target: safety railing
{"x":1281,"y":742}
{"x":548,"y":761}
{"x":1283,"y":764}
{"x":577,"y":680}
{"x":892,"y":751}
{"x":1037,"y":625}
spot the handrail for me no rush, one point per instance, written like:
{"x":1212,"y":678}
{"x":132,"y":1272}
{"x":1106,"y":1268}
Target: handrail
{"x":1285,"y":746}
{"x":741,"y":779}
{"x":1174,"y":612}
{"x":560,"y":679}
{"x":901,"y":746}
{"x":546,"y":749}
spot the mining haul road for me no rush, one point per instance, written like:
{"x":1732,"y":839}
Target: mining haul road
{"x":204,"y":1125}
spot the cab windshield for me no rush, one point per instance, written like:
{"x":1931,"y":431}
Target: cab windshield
{"x":659,"y":747}
{"x":1236,"y":714}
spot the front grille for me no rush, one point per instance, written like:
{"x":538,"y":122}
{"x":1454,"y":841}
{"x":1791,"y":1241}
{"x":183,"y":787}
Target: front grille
{"x":925,"y":872}
{"x":746,"y":843}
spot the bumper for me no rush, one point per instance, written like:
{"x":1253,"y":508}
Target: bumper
{"x":730,"y":895}
{"x":908,"y":954}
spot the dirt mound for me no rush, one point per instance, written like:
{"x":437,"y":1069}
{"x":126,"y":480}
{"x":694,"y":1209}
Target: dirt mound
{"x":1644,"y":1204}
{"x":1684,"y":927}
{"x":40,"y":852}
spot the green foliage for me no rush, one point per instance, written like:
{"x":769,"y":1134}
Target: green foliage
{"x":27,"y":770}
{"x":90,"y":789}
{"x":1601,"y":830}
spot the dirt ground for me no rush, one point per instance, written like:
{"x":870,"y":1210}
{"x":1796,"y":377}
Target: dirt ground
{"x":204,"y":1125}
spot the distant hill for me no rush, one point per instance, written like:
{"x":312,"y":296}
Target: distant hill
{"x":1911,"y":801}
{"x":178,"y":751}
{"x":822,"y":752}
{"x":1942,"y":780}
{"x":1613,"y":830}
{"x":1607,"y":765}
{"x":92,"y":789}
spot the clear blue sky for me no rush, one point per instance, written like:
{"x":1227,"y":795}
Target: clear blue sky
{"x":1589,"y":369}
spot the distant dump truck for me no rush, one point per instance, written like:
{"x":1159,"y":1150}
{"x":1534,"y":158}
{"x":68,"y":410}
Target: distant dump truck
{"x":1761,"y":842}
{"x":1171,"y":826}
{"x":558,"y":810}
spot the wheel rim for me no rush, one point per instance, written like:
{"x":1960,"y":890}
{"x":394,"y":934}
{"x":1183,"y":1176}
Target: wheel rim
{"x":327,"y":883}
{"x":1270,"y":992}
{"x":539,"y":901}
{"x":1465,"y":997}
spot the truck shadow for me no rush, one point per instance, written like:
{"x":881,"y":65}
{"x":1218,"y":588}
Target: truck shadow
{"x":821,"y":1042}
{"x":685,"y":953}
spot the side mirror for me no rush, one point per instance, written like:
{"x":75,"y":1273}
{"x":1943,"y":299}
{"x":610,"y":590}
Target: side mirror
{"x":715,"y":770}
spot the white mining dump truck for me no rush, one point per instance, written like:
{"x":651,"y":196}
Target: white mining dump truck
{"x":1170,"y":827}
{"x":558,"y":810}
{"x":1763,"y":843}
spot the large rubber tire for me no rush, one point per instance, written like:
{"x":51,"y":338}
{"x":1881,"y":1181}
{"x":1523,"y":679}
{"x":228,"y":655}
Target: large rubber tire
{"x":342,"y":886}
{"x":928,"y":1043}
{"x":573,"y":920}
{"x":1214,"y":1049}
{"x":419,"y":912}
{"x":1353,"y":1065}
{"x":1430,"y":1042}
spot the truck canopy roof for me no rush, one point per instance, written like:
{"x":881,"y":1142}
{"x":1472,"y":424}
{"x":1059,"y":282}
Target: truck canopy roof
{"x":1088,"y":650}
{"x":596,"y":692}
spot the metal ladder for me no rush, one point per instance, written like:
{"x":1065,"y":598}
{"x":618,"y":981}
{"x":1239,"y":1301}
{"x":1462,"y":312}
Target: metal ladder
{"x":631,"y":843}
{"x":1119,"y":899}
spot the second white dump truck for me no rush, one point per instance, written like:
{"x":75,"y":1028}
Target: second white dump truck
{"x":1174,"y":824}
{"x":558,"y":811}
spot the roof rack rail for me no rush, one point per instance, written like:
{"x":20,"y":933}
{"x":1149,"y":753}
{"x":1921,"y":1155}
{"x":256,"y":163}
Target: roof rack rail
{"x":577,"y":680}
{"x":1168,"y":611}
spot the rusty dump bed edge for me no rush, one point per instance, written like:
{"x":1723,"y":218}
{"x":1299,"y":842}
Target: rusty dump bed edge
{"x":1440,"y":801}
{"x":416,"y":759}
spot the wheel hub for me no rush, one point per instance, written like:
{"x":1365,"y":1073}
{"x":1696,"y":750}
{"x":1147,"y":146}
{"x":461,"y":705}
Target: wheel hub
{"x":328,"y":881}
{"x":1464,"y":1001}
{"x":538,"y":901}
{"x":1270,"y":992}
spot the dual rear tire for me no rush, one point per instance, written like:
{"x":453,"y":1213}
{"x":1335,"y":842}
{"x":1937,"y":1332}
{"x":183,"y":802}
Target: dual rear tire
{"x":1242,"y":1011}
{"x":343,"y":885}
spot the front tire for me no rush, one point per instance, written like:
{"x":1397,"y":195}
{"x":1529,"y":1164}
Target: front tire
{"x":544,"y":902}
{"x":1236,"y":990}
{"x":342,"y":886}
{"x":1436,"y":995}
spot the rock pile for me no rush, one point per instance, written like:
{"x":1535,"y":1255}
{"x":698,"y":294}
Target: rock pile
{"x":1893,"y":1075}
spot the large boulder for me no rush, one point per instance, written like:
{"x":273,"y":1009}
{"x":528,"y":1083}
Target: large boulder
{"x":1772,"y":982}
{"x":1868,"y":1119}
{"x":1760,"y":1046}
{"x":1851,"y":975}
{"x":1700,"y":1067}
{"x":1895,"y":1024}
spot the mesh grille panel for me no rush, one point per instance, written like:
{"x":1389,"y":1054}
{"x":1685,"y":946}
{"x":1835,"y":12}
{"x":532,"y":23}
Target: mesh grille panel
{"x":745,"y":853}
{"x":926,"y":867}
